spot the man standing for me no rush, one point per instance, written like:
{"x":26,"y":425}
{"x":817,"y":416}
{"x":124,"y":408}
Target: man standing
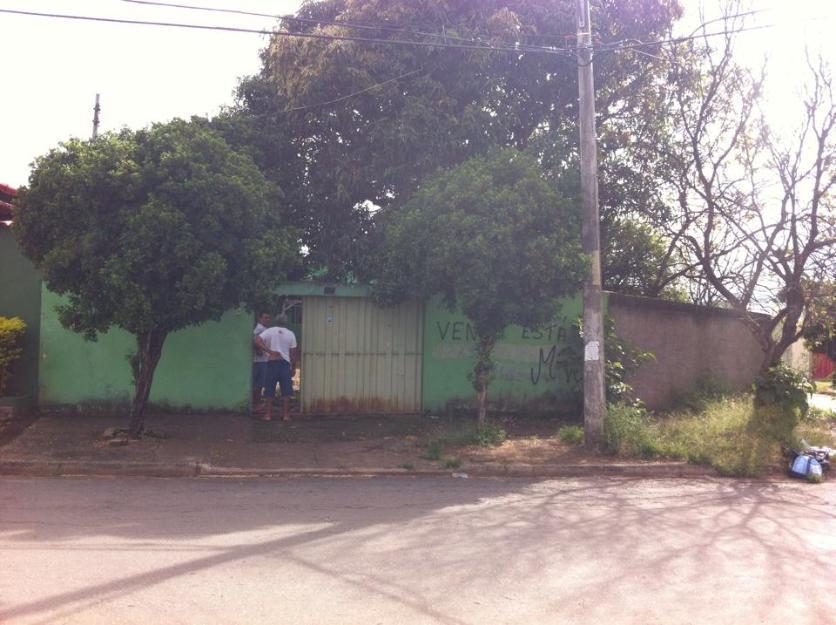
{"x":260,"y":358}
{"x":280,"y":344}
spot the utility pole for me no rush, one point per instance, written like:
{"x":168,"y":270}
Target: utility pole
{"x":96,"y":110}
{"x":594,"y":402}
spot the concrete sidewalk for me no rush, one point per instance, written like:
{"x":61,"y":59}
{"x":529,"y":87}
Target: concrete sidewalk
{"x":239,"y":446}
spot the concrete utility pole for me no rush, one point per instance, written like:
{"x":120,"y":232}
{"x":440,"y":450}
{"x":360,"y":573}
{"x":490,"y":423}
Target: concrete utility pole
{"x":96,"y":110}
{"x":594,"y":402}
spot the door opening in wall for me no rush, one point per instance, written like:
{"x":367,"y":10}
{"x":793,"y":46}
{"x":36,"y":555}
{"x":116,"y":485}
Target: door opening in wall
{"x":267,"y":373}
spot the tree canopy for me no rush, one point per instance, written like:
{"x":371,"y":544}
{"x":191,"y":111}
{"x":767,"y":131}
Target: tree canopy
{"x":151,"y":231}
{"x":345,"y":125}
{"x":491,"y":238}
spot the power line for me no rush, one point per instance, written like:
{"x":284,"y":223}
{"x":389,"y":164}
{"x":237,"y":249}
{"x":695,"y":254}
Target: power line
{"x":618,"y":46}
{"x":518,"y":49}
{"x":306,"y":20}
{"x":356,"y":93}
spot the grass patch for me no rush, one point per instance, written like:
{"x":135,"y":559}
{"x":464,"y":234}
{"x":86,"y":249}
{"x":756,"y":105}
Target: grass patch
{"x":821,"y":414}
{"x":825,"y":386}
{"x":407,"y":466}
{"x":571,"y":434}
{"x":451,"y":463}
{"x":728,"y":433}
{"x":467,"y":433}
{"x":461,"y":434}
{"x":433,"y":451}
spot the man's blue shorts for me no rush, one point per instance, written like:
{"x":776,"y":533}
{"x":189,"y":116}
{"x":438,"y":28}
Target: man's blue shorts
{"x":259,"y":374}
{"x":278,"y":372}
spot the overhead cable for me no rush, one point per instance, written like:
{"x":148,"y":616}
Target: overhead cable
{"x":518,"y":49}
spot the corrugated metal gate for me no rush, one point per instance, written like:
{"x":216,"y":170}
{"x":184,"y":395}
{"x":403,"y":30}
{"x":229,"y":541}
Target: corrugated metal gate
{"x":358,"y":358}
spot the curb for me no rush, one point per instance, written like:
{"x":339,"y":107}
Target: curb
{"x":37,"y":468}
{"x":40,"y":468}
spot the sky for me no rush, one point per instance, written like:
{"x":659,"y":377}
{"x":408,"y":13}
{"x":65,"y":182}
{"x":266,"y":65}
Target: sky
{"x":52,"y":69}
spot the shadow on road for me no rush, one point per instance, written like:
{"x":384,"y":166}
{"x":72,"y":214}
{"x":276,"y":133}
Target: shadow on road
{"x":455,"y":534}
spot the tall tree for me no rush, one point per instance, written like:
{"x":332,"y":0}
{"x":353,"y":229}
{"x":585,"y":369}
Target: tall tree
{"x":753,"y":208}
{"x":151,"y":231}
{"x":491,"y":238}
{"x":368,"y":122}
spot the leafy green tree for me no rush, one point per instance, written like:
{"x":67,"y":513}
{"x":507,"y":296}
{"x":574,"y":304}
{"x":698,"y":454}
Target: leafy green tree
{"x":151,"y":231}
{"x":491,"y":238}
{"x":345,"y":125}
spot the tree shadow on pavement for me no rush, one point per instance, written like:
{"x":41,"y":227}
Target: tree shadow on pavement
{"x":575,"y":547}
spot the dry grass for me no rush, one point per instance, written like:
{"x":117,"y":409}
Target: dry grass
{"x":726,"y":432}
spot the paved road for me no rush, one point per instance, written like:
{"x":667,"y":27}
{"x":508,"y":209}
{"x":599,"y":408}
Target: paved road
{"x":404,"y":551}
{"x":823,"y":401}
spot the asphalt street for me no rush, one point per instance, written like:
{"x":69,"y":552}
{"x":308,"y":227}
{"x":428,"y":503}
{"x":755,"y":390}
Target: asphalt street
{"x":416,"y":550}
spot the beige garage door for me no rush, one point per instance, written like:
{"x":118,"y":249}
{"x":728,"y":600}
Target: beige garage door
{"x":358,"y":358}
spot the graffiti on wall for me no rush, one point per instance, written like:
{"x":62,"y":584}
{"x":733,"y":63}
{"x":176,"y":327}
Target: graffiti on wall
{"x":547,"y":354}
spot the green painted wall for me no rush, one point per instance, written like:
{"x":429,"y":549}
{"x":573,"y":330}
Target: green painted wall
{"x":20,"y":296}
{"x":206,"y":367}
{"x":537,"y":371}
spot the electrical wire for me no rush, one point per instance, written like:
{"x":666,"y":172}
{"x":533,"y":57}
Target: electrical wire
{"x":674,"y":40}
{"x":307,"y":20}
{"x":517,"y":49}
{"x":356,"y":93}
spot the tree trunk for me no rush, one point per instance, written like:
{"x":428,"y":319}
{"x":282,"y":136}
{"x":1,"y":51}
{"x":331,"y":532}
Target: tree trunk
{"x":482,"y":396}
{"x":775,"y":348}
{"x":481,"y":377}
{"x":149,"y":347}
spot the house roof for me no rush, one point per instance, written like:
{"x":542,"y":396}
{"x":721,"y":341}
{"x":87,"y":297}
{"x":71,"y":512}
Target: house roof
{"x":7,"y":193}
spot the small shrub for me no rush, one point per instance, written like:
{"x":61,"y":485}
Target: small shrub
{"x":468,"y":433}
{"x":571,"y":434}
{"x":433,"y":451}
{"x":490,"y":436}
{"x":11,"y":333}
{"x":630,"y":431}
{"x":408,"y":466}
{"x":622,"y":360}
{"x":451,"y":463}
{"x":785,"y":387}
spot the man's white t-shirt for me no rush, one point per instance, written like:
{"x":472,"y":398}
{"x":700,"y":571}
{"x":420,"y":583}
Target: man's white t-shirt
{"x":259,"y":355}
{"x":279,"y":340}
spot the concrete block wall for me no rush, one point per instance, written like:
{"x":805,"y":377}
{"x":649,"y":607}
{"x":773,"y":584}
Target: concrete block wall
{"x":689,"y":342}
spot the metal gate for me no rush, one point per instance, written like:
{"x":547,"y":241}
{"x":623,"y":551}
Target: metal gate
{"x":358,"y":358}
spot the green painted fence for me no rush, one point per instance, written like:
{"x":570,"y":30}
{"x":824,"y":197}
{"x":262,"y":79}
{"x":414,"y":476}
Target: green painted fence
{"x":20,"y":296}
{"x":206,"y":367}
{"x":536,"y":371}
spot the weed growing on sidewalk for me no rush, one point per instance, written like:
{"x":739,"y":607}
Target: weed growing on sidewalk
{"x":728,"y":433}
{"x":462,"y":434}
{"x":433,"y":451}
{"x":451,"y":463}
{"x":571,"y":434}
{"x":467,"y":433}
